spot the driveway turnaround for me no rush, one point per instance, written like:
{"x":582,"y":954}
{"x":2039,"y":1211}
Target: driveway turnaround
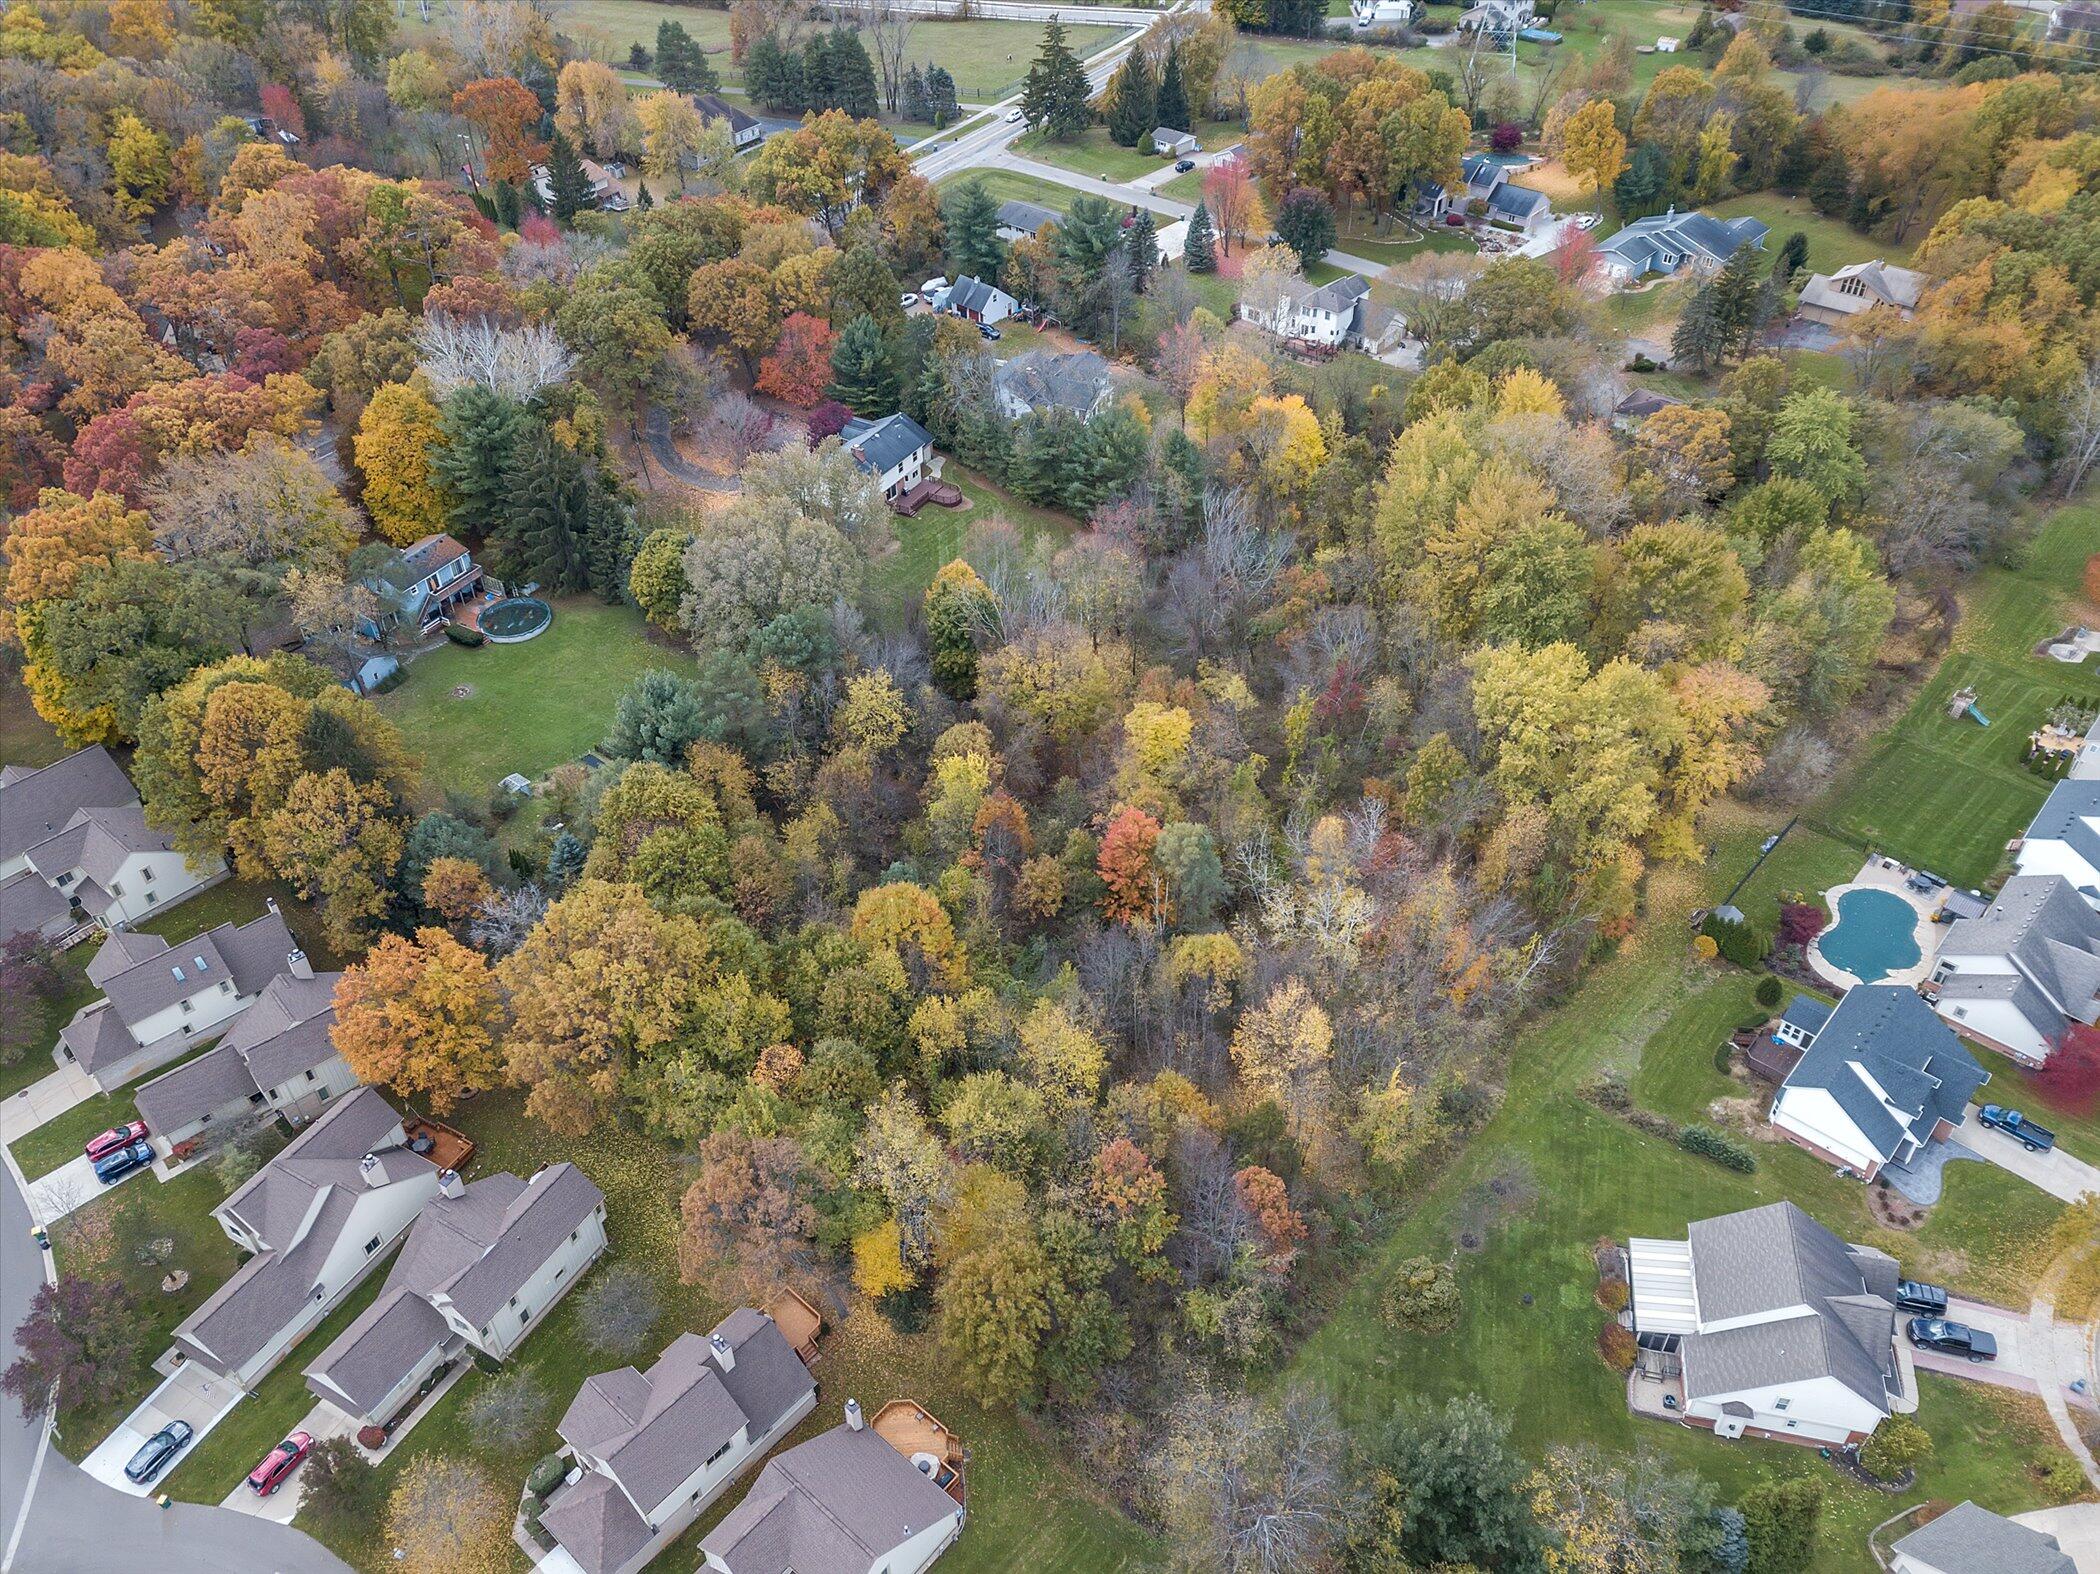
{"x":2060,"y":1174}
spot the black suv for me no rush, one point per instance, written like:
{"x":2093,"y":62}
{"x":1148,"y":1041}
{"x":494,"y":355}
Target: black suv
{"x":154,"y":1454}
{"x":1935,"y":1333}
{"x":1923,"y":1300}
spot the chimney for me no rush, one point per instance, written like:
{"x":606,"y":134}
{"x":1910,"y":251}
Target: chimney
{"x":297,"y":965}
{"x":725,"y":1356}
{"x":271,"y":903}
{"x":853,"y":1420}
{"x":449,"y":1184}
{"x":368,"y":1167}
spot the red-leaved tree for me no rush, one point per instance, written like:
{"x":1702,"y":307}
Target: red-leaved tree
{"x":1800,"y":922}
{"x":798,"y":367}
{"x":1126,"y":867}
{"x":83,"y":1340}
{"x":2070,"y":1078}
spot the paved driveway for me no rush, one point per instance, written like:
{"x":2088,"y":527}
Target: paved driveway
{"x":45,"y":1099}
{"x":2058,"y":1173}
{"x":194,"y":1395}
{"x":72,"y":1185}
{"x":2076,"y":1527}
{"x":2020,"y":1364}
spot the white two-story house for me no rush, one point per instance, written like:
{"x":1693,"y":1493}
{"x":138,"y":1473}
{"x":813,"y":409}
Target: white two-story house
{"x":2025,"y":971}
{"x":75,"y":848}
{"x":2064,"y":838}
{"x":318,"y":1218}
{"x":896,"y":450}
{"x":160,"y":1000}
{"x":1328,"y":316}
{"x":482,"y":1267}
{"x":653,"y":1449}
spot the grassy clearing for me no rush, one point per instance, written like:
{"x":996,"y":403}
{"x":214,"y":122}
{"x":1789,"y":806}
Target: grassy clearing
{"x":1094,"y":154}
{"x":1026,"y":1509}
{"x":531,"y":706}
{"x":1007,"y":185}
{"x":1831,"y":242}
{"x":925,"y":543}
{"x":1949,"y":794}
{"x":25,"y":737}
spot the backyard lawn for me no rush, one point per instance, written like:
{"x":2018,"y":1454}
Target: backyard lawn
{"x":1007,"y":185}
{"x":1947,"y":794}
{"x":529,"y":707}
{"x":1832,"y":243}
{"x":925,"y":543}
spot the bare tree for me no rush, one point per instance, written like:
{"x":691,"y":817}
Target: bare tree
{"x":1430,"y":294}
{"x":738,"y":427}
{"x":506,"y":1411}
{"x":619,"y":1308}
{"x":887,"y":26}
{"x":515,"y":362}
{"x":2081,"y":439}
{"x":1253,"y":1486}
{"x":505,"y":919}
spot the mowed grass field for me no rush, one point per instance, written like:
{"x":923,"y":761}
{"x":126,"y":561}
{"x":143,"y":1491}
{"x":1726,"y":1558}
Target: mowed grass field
{"x":530,"y":707}
{"x":1947,"y":794}
{"x":936,"y":536}
{"x":1006,"y":185}
{"x":1832,"y":243}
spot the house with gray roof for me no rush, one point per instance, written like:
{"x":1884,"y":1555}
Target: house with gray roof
{"x":1042,"y":381}
{"x":317,"y":1218}
{"x":651,"y":1450}
{"x":161,"y":1000}
{"x":1765,"y":1324}
{"x":1024,"y":220}
{"x":1168,"y":142}
{"x":1834,"y":299}
{"x":1971,"y":1540}
{"x":976,"y":301}
{"x":2064,"y":838}
{"x":75,"y":849}
{"x":1876,"y":1082}
{"x":1486,"y":181}
{"x":845,"y":1502}
{"x":1673,"y":242}
{"x":483,"y":1265}
{"x":745,"y":131}
{"x":421,"y":584}
{"x":2025,"y":972}
{"x":1326,"y":316}
{"x":279,"y":1057}
{"x":896,"y":450}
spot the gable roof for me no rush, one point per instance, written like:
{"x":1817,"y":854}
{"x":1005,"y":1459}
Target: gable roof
{"x":96,"y":841}
{"x":330,"y":1152}
{"x":1337,"y":295}
{"x":267,"y":1291}
{"x":1893,"y":1066}
{"x":884,"y":444}
{"x":28,"y":902}
{"x":1882,"y":283}
{"x":2071,"y":815}
{"x":249,"y":955}
{"x":1519,"y":201}
{"x":284,"y":1033}
{"x":1027,"y":216}
{"x":713,"y":106}
{"x":37,"y":803}
{"x":1045,"y":380}
{"x":1169,"y":134}
{"x":1970,"y":1538}
{"x":832,"y":1505}
{"x":972,"y":294}
{"x":2050,"y":935}
{"x":1686,"y":234}
{"x":596,"y":1524}
{"x":1809,"y":1015}
{"x":479,"y":1248}
{"x":367,"y":1360}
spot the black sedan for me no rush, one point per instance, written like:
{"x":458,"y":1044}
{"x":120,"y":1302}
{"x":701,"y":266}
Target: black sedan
{"x":1923,"y":1300}
{"x":1936,"y":1333}
{"x":154,"y":1454}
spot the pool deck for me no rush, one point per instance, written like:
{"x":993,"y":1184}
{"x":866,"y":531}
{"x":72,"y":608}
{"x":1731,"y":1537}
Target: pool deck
{"x":1880,"y":874}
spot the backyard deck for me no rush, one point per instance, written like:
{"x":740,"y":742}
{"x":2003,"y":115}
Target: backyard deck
{"x":911,"y":1430}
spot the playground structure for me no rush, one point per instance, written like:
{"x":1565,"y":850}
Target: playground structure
{"x":1963,"y":703}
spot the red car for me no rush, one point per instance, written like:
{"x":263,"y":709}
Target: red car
{"x":116,"y":1137}
{"x":268,"y":1476}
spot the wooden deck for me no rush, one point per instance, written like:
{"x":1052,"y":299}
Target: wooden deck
{"x":449,"y":1149}
{"x":799,"y":1323}
{"x":911,"y":1430}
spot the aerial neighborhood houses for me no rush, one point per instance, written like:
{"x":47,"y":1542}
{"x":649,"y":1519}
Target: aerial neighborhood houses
{"x":1834,"y":299}
{"x":1765,"y":1324}
{"x":1672,"y":243}
{"x":76,"y":852}
{"x":973,"y":300}
{"x":1502,"y":201}
{"x":483,"y":1264}
{"x":896,"y":450}
{"x":1044,"y":381}
{"x":1879,"y":1077}
{"x":317,"y":1218}
{"x":649,"y":1451}
{"x":1020,"y":220}
{"x":421,"y":584}
{"x":1332,"y":316}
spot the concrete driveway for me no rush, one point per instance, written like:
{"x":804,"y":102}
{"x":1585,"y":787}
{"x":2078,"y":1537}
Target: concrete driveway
{"x":43,"y":1100}
{"x":2020,"y":1363}
{"x":72,"y":1185}
{"x":323,"y":1422}
{"x":2058,"y":1173}
{"x":192,"y":1394}
{"x":2076,"y":1527}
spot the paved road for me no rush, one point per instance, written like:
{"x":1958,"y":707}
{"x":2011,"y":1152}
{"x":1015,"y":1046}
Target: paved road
{"x":1023,"y":11}
{"x":666,"y":453}
{"x":74,"y":1524}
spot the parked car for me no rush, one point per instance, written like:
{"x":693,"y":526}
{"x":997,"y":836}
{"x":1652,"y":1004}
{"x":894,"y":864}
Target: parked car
{"x":1014,"y":117}
{"x":987,"y":331}
{"x":1936,"y":1333}
{"x":1588,"y":221}
{"x":908,"y":300}
{"x":1183,"y":166}
{"x":2035,"y":1139}
{"x":281,"y":1461}
{"x":114,"y":1138}
{"x":154,"y":1454}
{"x":1926,"y":1300}
{"x":115,"y":1166}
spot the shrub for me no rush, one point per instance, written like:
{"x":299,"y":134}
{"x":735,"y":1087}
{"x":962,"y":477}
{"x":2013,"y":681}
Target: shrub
{"x":342,"y":1486}
{"x":1608,"y":1090}
{"x":1613,"y":1293}
{"x":1799,"y":923}
{"x":1646,"y":1120}
{"x":1898,"y":1444}
{"x":367,"y":1437}
{"x":2061,"y":1475}
{"x":1769,"y":991}
{"x":1616,"y":1344}
{"x":1421,"y":1295}
{"x":546,"y":1475}
{"x":1724,"y":1057}
{"x":460,"y":634}
{"x":1710,"y":1144}
{"x":1781,"y":1517}
{"x":1738,"y":942}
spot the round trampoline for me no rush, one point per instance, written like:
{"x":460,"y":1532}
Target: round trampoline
{"x":516,"y":619}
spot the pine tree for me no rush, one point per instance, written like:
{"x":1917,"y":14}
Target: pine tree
{"x":1793,"y":257}
{"x":974,"y":248}
{"x":1200,"y":251}
{"x":1130,"y":101}
{"x":1141,"y":240}
{"x":1172,"y":106}
{"x":544,"y":536}
{"x":681,"y":64}
{"x":643,"y":200}
{"x":1054,"y":98}
{"x":1736,"y":293}
{"x":915,"y":107}
{"x":483,"y":434}
{"x":1305,"y":223}
{"x":863,"y":377}
{"x":509,"y":207}
{"x":852,"y":75}
{"x":940,"y":96}
{"x":765,"y":72}
{"x":1701,"y":337}
{"x":565,"y":176}
{"x":818,"y":91}
{"x":609,"y":545}
{"x":1644,"y":186}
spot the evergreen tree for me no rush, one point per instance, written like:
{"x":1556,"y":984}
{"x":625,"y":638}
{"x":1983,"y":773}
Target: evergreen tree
{"x":509,"y":207}
{"x":1141,"y":241}
{"x":1737,"y":292}
{"x":1200,"y":251}
{"x":862,"y":376}
{"x":565,"y":861}
{"x":570,"y":185}
{"x":681,"y":64}
{"x":1702,"y":338}
{"x":974,"y":248}
{"x":609,"y":545}
{"x":818,"y":89}
{"x":1130,"y":101}
{"x":1054,"y":98}
{"x":852,"y":75}
{"x":1793,"y":257}
{"x":1644,"y":187}
{"x":1172,"y":105}
{"x":643,"y":200}
{"x":484,"y":432}
{"x":763,"y":65}
{"x":940,"y":97}
{"x":1830,"y":187}
{"x":915,"y":107}
{"x":1305,"y":223}
{"x":544,"y":536}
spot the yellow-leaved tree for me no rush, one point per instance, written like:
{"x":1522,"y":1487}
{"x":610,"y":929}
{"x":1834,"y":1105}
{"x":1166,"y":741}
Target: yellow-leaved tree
{"x":418,"y":1015}
{"x":398,"y":438}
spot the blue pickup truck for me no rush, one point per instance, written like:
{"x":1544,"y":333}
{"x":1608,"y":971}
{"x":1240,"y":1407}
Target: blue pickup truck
{"x":2035,"y":1139}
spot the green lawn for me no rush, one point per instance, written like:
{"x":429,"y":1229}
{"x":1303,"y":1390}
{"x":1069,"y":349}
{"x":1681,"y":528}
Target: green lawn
{"x":1094,"y":154}
{"x":25,"y":737}
{"x":108,"y":1237}
{"x":56,"y":1141}
{"x":1949,"y":794}
{"x":35,"y":1062}
{"x":530,"y":707}
{"x":1027,"y":1509}
{"x":259,"y":1423}
{"x":1832,"y":243}
{"x":925,"y":543}
{"x":1007,"y":185}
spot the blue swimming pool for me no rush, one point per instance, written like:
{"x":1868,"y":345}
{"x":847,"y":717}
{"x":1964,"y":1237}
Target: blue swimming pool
{"x":1875,"y":935}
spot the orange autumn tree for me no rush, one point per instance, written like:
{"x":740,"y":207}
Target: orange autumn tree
{"x":418,"y":1014}
{"x":504,"y":111}
{"x":1135,"y":893}
{"x":798,"y":367}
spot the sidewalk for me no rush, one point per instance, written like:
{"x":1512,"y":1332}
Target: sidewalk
{"x":44,"y":1100}
{"x":2068,"y":1350}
